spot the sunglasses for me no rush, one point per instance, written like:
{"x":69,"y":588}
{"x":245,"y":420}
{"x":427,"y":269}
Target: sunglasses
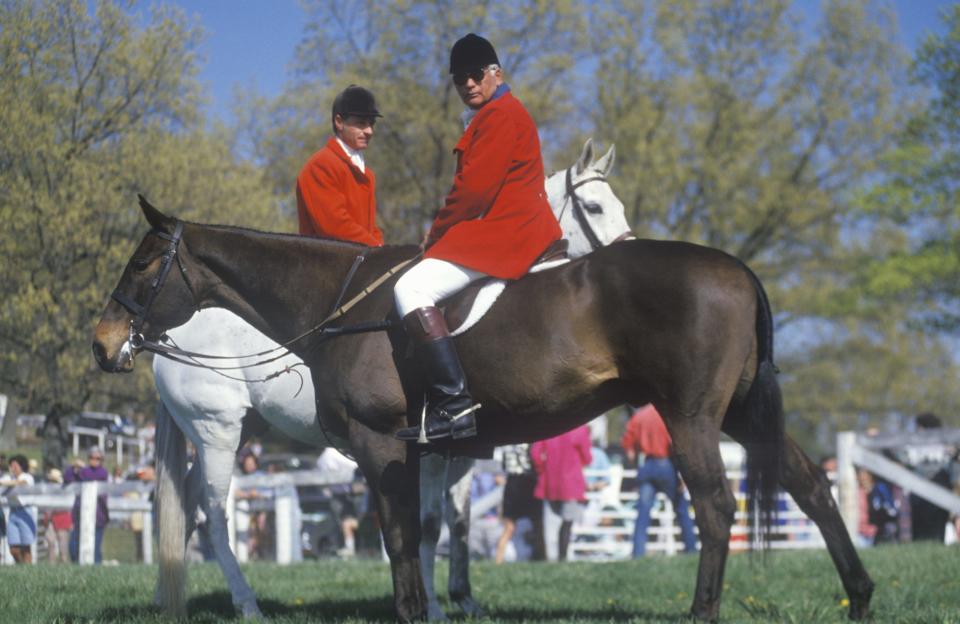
{"x":476,"y":74}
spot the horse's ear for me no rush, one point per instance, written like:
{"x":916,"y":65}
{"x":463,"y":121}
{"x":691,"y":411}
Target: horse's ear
{"x":585,"y":157}
{"x":154,"y":217}
{"x":604,"y":164}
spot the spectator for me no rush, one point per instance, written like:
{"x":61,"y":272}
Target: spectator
{"x":21,"y":529}
{"x":342,"y":497}
{"x":883,"y":512}
{"x":59,"y":524}
{"x":559,"y":463}
{"x":93,"y":471}
{"x":519,"y":501}
{"x":929,"y":521}
{"x":647,"y":442}
{"x":485,"y":529}
{"x":258,"y":534}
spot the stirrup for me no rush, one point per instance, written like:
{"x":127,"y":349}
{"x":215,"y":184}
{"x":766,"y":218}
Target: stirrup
{"x":468,"y":431}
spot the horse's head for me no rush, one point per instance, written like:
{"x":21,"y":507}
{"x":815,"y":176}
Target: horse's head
{"x":152,"y":296}
{"x":590,"y":215}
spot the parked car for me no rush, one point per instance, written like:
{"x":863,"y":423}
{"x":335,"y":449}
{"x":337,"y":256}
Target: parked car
{"x":113,"y":423}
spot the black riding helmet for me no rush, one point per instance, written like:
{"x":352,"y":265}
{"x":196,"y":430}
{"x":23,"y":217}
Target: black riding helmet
{"x":470,"y":52}
{"x":355,"y":101}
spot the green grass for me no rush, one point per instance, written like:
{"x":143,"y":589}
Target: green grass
{"x":915,"y":584}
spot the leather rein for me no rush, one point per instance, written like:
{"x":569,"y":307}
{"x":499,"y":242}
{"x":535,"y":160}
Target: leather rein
{"x":173,"y":352}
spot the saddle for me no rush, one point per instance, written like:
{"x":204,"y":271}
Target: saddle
{"x":464,"y":309}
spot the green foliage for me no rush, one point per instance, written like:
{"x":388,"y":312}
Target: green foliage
{"x":915,"y":583}
{"x":917,"y":205}
{"x":94,"y":109}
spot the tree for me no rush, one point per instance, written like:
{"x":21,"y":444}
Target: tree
{"x":916,"y":207}
{"x":95,"y":109}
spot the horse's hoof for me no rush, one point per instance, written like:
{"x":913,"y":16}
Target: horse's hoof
{"x":435,"y":613}
{"x":470,"y":607}
{"x":251,"y":611}
{"x":860,"y":605}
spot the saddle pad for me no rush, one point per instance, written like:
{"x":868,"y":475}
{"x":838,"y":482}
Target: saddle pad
{"x":486,"y":295}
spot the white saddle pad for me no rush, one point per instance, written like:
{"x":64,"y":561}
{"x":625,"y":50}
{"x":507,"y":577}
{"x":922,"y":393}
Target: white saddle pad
{"x":489,"y":294}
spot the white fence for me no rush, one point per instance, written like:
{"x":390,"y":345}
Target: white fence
{"x":606,"y":530}
{"x":141,"y":445}
{"x":277,"y":493}
{"x":123,"y":499}
{"x":857,"y":450}
{"x":605,"y":533}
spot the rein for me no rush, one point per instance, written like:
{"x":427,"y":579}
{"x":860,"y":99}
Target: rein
{"x":175,"y":353}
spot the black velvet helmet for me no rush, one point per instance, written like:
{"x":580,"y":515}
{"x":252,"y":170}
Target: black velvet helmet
{"x":471,"y":52}
{"x":355,"y":101}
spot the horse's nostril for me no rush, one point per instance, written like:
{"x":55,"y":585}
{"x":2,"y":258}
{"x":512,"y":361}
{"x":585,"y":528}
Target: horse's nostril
{"x":99,"y":353}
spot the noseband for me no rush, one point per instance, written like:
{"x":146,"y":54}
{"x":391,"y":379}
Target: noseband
{"x":141,"y":312}
{"x":578,"y":210}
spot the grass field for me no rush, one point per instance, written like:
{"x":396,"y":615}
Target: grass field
{"x":915,"y":584}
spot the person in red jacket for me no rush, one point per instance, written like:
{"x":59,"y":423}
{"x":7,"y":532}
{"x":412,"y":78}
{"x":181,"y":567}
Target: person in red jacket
{"x":495,"y":221}
{"x":336,"y":191}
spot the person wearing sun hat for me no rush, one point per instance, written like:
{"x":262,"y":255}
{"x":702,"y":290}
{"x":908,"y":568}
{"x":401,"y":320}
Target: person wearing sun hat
{"x":93,"y":471}
{"x":495,"y":221}
{"x":336,"y":190}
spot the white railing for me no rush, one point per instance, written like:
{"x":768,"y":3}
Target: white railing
{"x":123,"y":499}
{"x":606,"y":530}
{"x":855,"y":449}
{"x":277,"y":494}
{"x":142,"y":445}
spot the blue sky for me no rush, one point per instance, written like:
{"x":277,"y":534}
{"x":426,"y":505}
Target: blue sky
{"x":250,"y":43}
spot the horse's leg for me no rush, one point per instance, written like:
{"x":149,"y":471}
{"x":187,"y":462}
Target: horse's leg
{"x":192,"y":494}
{"x":809,"y":487}
{"x":433,"y":483}
{"x":696,"y":444}
{"x":217,"y":463}
{"x":459,"y":477}
{"x":392,"y":473}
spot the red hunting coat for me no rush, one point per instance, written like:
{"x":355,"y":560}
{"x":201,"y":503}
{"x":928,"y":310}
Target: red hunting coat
{"x":337,"y":200}
{"x":496,"y":218}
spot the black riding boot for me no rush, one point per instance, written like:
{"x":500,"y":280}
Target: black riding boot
{"x":448,"y":411}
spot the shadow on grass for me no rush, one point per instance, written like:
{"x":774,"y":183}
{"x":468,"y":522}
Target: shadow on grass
{"x":216,"y":606}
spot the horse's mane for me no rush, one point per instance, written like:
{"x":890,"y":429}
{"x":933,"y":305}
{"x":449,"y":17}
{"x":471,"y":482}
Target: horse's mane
{"x":287,"y":236}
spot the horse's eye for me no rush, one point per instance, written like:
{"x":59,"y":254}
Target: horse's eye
{"x":593,"y":208}
{"x":139,"y":265}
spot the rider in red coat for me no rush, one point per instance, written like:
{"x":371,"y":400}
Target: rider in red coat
{"x":495,"y":221}
{"x":336,"y":191}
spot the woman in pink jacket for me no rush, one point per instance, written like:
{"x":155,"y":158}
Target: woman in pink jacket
{"x":559,"y":463}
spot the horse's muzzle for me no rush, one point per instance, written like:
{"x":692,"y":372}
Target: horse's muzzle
{"x":118,"y":358}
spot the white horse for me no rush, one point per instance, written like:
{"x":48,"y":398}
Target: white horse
{"x":215,"y":410}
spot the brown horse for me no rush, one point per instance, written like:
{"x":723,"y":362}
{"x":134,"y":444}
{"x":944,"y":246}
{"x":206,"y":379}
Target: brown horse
{"x":685,"y":327}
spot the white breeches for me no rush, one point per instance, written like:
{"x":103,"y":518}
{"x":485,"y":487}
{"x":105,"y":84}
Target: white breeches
{"x":430,"y":281}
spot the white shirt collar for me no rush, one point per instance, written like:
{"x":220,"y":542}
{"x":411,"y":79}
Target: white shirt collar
{"x":356,"y":156}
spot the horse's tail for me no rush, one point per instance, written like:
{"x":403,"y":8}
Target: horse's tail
{"x":764,"y":427}
{"x":170,"y":500}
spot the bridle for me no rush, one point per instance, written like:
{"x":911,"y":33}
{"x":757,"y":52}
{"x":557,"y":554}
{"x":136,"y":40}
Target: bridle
{"x":142,"y":311}
{"x":579,"y":212}
{"x":137,"y":341}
